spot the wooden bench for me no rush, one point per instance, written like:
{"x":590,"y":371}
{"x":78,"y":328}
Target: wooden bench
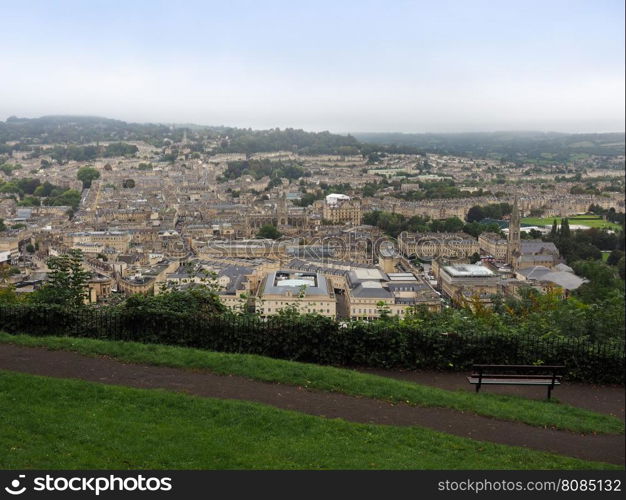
{"x":541,"y":375}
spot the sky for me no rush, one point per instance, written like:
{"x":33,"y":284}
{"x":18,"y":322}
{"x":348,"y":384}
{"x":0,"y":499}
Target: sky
{"x":343,"y":66}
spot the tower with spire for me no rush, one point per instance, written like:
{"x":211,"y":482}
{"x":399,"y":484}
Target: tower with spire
{"x":282,"y":214}
{"x":513,"y":248}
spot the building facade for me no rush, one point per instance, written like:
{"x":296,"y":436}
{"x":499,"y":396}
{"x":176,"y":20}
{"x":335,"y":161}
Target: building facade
{"x":341,"y":209}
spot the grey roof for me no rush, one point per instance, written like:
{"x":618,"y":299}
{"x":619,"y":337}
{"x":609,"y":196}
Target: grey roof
{"x":371,"y":290}
{"x":237,"y":277}
{"x":129,"y":259}
{"x":360,"y":275}
{"x":536,"y":272}
{"x":537,"y":246}
{"x":24,"y":213}
{"x":270,"y":288}
{"x":468,"y":270}
{"x":406,"y":287}
{"x":542,"y":257}
{"x":564,"y":279}
{"x":311,"y":251}
{"x":563,"y":267}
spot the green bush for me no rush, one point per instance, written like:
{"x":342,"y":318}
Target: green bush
{"x":316,"y":339}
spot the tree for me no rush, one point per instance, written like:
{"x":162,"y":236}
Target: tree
{"x":87,"y":175}
{"x":602,"y":280}
{"x":565,"y":231}
{"x":28,"y":185}
{"x":383,"y":309}
{"x":475,"y":257}
{"x":453,"y":225}
{"x":200,"y":299}
{"x":269,"y":231}
{"x":555,"y":230}
{"x":67,"y":281}
{"x":614,"y":257}
{"x":128,"y":183}
{"x":533,"y":234}
{"x":71,"y":198}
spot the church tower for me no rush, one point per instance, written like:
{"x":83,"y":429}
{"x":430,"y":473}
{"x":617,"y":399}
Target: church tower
{"x":513,"y":248}
{"x":282,"y":210}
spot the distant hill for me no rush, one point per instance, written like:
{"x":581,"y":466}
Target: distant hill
{"x":511,"y":146}
{"x":85,"y":129}
{"x":76,"y":130}
{"x":550,"y":146}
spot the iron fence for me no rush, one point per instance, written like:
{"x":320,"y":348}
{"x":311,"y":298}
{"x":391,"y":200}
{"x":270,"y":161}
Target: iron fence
{"x":323,"y":340}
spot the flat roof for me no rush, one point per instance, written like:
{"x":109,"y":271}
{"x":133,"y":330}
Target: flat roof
{"x":469,"y":270}
{"x":368,"y":274}
{"x":282,"y":281}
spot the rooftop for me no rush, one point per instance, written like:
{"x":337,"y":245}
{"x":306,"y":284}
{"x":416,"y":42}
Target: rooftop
{"x":295,"y":282}
{"x":468,"y":270}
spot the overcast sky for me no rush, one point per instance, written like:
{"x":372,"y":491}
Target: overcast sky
{"x":406,"y":66}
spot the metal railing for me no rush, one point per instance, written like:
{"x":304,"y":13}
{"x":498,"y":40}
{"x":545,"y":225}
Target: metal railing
{"x":322,"y":340}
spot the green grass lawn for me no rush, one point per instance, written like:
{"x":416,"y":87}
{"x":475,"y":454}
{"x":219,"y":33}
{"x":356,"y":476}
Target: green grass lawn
{"x":538,"y":413}
{"x":52,"y":423}
{"x":583,"y":220}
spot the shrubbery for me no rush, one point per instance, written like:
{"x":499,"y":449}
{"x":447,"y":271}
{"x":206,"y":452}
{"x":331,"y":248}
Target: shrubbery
{"x":419,"y":343}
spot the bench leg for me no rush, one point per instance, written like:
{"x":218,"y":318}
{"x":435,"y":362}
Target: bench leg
{"x":477,"y":387}
{"x":549,"y":391}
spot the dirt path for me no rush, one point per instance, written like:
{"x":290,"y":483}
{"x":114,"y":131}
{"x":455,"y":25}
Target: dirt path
{"x":607,"y":399}
{"x":64,"y":364}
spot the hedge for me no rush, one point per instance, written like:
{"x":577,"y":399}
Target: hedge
{"x":322,"y":340}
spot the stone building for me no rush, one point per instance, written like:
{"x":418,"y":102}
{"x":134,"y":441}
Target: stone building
{"x":281,"y":217}
{"x":428,"y":246}
{"x":522,"y":254}
{"x":308,"y":292}
{"x":463,"y":283}
{"x":119,"y":240}
{"x":371,"y":292}
{"x":493,"y":244}
{"x":341,"y":209}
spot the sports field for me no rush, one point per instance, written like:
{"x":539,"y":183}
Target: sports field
{"x":578,"y":220}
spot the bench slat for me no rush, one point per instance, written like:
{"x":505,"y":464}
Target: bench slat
{"x":525,"y":367}
{"x":514,"y":375}
{"x":517,"y":381}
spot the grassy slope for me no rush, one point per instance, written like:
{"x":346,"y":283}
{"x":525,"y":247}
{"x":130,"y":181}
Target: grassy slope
{"x":67,"y":424}
{"x":573,"y":221}
{"x":538,"y":413}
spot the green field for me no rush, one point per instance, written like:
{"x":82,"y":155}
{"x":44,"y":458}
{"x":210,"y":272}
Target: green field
{"x":581,"y":220}
{"x":532,"y":412}
{"x":52,"y":423}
